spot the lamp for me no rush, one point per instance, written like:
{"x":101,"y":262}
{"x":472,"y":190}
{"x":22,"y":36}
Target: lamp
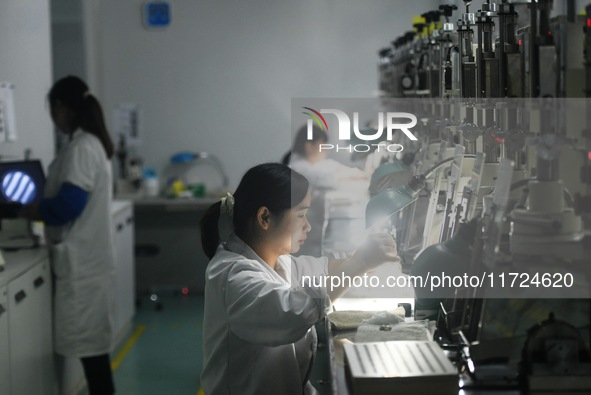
{"x":392,"y":200}
{"x":389,"y":175}
{"x":452,"y":257}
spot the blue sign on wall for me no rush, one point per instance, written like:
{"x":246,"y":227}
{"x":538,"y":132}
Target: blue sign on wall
{"x":157,"y":14}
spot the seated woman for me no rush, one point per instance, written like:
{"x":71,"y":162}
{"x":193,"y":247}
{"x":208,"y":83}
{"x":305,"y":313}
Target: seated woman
{"x":258,"y":329}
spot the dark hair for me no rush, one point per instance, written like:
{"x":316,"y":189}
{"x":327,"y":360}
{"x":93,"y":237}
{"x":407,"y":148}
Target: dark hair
{"x":271,"y":185}
{"x":299,"y":143}
{"x":73,"y":92}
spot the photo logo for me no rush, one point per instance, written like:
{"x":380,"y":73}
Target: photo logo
{"x":388,"y":122}
{"x":316,"y":116}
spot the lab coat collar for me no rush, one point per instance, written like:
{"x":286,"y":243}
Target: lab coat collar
{"x":77,"y":133}
{"x":236,"y":245}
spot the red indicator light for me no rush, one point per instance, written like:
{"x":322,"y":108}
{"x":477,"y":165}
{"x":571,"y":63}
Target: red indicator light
{"x":549,"y":34}
{"x":589,"y":155}
{"x":520,"y":42}
{"x":589,"y":22}
{"x":185,"y":291}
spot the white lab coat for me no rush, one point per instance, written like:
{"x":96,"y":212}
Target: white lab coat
{"x":81,"y":252}
{"x":328,"y":173}
{"x":258,"y":334}
{"x":325,"y":176}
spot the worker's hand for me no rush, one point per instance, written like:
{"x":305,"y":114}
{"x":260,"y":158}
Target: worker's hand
{"x":377,"y":249}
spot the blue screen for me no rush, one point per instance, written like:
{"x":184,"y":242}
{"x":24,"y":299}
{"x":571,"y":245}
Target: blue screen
{"x":21,"y":182}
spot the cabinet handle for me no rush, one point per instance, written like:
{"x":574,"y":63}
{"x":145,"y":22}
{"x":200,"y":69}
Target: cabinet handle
{"x":129,"y":220}
{"x":2,"y":310}
{"x":39,"y":281}
{"x":119,"y":227}
{"x":20,"y":296}
{"x":146,"y":250}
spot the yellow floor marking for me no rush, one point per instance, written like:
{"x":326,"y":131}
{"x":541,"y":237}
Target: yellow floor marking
{"x":127,"y":346}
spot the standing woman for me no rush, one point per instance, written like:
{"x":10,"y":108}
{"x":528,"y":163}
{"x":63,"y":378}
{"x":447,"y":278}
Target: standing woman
{"x":76,"y":212}
{"x":307,"y":158}
{"x":324,"y":175}
{"x":258,"y":326}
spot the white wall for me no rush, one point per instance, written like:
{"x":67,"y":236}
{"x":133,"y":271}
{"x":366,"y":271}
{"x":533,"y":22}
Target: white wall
{"x":25,"y":60}
{"x":221,"y":77}
{"x":67,"y":39}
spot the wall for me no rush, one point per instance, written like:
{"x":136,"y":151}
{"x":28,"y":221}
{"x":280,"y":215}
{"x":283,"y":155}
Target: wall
{"x":221,"y":77}
{"x":25,"y":45}
{"x":67,"y":39}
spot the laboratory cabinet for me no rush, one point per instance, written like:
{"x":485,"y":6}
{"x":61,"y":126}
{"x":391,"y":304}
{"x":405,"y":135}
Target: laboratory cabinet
{"x":4,"y":344}
{"x":123,"y":233}
{"x":28,"y":364}
{"x":30,"y":347}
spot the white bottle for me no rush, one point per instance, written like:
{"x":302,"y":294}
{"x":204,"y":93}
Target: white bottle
{"x":151,"y":186}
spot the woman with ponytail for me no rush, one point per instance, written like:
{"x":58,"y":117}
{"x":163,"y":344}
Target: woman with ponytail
{"x":258,"y":326}
{"x":76,"y":212}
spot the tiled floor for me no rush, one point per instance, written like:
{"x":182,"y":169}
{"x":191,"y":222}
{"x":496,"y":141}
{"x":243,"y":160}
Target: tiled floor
{"x":163,"y":355}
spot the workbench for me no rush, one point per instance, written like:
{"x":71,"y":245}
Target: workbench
{"x":328,"y":375}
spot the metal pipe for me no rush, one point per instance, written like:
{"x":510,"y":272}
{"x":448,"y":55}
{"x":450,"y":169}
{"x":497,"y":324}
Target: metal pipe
{"x":570,"y":10}
{"x":534,"y":55}
{"x":432,"y":170}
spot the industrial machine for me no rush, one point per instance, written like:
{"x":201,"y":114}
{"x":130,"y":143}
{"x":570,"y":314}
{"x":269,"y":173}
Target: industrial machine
{"x":500,"y":98}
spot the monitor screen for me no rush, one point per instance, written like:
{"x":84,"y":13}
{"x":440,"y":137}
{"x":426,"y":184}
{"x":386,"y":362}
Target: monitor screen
{"x":21,"y":182}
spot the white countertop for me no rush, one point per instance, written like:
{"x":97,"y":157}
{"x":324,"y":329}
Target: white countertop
{"x":118,"y":205}
{"x":18,"y":262}
{"x":169,"y":204}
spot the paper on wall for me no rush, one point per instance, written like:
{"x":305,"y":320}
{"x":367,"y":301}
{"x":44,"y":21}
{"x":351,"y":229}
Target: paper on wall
{"x":8,"y":122}
{"x":126,"y":122}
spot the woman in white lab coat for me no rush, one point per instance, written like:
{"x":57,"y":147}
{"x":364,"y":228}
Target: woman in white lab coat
{"x":78,"y":232}
{"x":324,"y":175}
{"x":308,"y":159}
{"x":258,"y":329}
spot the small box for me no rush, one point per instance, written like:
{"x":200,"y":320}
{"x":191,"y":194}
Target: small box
{"x":399,"y":367}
